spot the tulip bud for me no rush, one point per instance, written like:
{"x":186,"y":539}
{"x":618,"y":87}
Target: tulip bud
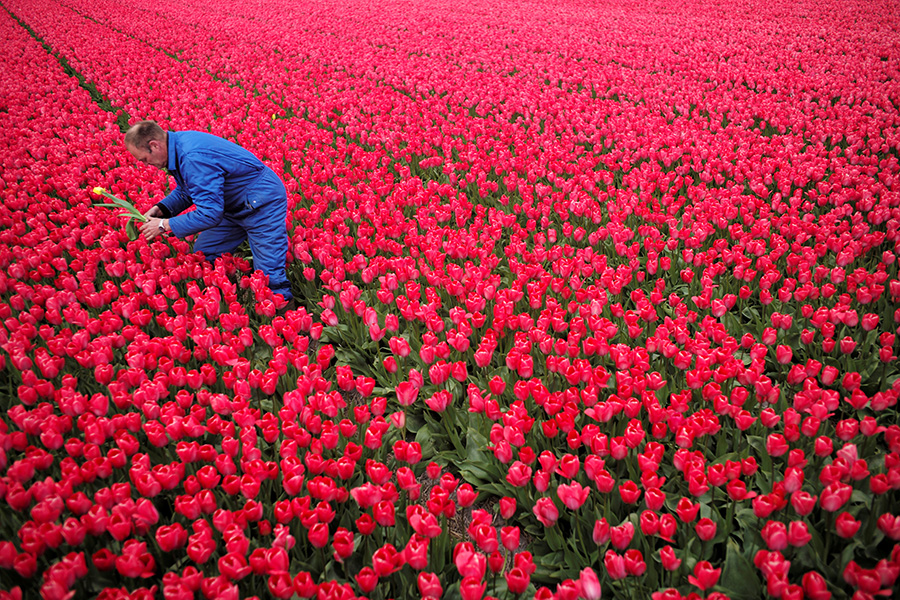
{"x":589,"y":584}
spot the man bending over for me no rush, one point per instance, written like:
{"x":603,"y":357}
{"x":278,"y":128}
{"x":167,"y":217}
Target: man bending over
{"x":236,"y":195}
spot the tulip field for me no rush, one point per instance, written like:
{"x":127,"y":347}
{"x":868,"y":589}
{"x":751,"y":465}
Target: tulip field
{"x":595,"y":299}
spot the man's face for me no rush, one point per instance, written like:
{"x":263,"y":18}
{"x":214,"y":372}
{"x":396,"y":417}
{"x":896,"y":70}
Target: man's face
{"x":157,"y":156}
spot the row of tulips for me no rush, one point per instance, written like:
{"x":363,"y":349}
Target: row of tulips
{"x":586,"y":313}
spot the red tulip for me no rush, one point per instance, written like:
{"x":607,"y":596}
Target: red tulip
{"x":234,"y":566}
{"x":704,"y":576}
{"x":573,"y":495}
{"x":406,"y":393}
{"x":415,"y":554}
{"x":466,"y":495}
{"x":706,"y":529}
{"x":634,"y":562}
{"x":517,"y":581}
{"x":776,"y":445}
{"x":546,"y":512}
{"x":615,"y":565}
{"x":507,"y":507}
{"x":519,"y":474}
{"x":823,"y":446}
{"x":386,"y":560}
{"x":384,"y":513}
{"x":304,"y":585}
{"x":783,"y":354}
{"x":589,"y":585}
{"x":687,"y":510}
{"x":429,"y":585}
{"x":509,"y":537}
{"x":889,"y":525}
{"x":280,"y":585}
{"x":834,"y":496}
{"x":343,"y":543}
{"x":621,"y":535}
{"x":669,"y":561}
{"x":423,"y":522}
{"x":629,"y":492}
{"x":469,"y":563}
{"x":774,"y":534}
{"x":798,"y":534}
{"x":815,"y":587}
{"x":471,"y":588}
{"x":399,"y":346}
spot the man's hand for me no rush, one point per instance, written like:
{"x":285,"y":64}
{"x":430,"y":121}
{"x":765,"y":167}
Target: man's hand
{"x":156,"y":212}
{"x":151,"y":228}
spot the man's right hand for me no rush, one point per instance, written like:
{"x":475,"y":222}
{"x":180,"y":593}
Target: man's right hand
{"x":154,"y":213}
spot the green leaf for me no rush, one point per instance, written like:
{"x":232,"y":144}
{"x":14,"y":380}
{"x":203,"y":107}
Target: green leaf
{"x":425,"y":439}
{"x":549,"y":560}
{"x":413,"y":422}
{"x":871,"y":369}
{"x":128,"y":206}
{"x":759,"y":444}
{"x":476,"y":443}
{"x":860,"y":497}
{"x":481,"y":477}
{"x":493,"y":488}
{"x":817,"y":546}
{"x":131,"y":230}
{"x":730,"y":321}
{"x":748,"y":522}
{"x":739,"y":577}
{"x":554,"y":538}
{"x":750,"y":313}
{"x":849,"y":552}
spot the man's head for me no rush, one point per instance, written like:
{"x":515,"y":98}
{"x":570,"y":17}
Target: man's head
{"x":148,"y":143}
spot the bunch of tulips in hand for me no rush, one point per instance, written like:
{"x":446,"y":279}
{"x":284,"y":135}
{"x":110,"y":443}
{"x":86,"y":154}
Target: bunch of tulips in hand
{"x":130,"y":212}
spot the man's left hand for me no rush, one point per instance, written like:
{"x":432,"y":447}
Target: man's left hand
{"x":151,"y":228}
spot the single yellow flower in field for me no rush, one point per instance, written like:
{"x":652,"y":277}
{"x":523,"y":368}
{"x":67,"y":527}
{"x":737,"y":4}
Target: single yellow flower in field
{"x":99,"y":190}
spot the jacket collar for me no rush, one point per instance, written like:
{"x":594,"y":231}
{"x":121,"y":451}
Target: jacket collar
{"x":173,"y":163}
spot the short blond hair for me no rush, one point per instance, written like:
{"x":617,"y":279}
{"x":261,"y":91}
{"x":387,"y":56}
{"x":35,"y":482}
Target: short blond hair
{"x":140,"y":134}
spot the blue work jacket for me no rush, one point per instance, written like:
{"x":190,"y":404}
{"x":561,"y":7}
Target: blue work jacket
{"x":219,"y":177}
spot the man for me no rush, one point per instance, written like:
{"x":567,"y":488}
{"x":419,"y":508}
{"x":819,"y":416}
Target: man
{"x":236,"y":195}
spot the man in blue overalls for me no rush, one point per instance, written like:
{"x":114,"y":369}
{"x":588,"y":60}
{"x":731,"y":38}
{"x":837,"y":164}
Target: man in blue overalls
{"x":236,"y":195}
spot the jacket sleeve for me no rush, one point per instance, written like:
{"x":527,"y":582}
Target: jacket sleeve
{"x":175,"y":203}
{"x":205,"y":183}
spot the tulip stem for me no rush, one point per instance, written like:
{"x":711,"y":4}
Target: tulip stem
{"x":729,"y":515}
{"x":583,"y":546}
{"x":828,"y":529}
{"x":736,"y":441}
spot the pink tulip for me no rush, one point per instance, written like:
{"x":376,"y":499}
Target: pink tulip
{"x":589,"y":585}
{"x":546,"y":512}
{"x":573,"y":495}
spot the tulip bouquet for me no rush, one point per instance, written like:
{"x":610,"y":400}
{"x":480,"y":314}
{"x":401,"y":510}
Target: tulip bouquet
{"x":597,"y":308}
{"x":129,"y":211}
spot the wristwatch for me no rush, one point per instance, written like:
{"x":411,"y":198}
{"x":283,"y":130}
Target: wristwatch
{"x":163,"y":225}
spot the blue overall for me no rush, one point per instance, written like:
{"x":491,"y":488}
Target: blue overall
{"x":237,"y":198}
